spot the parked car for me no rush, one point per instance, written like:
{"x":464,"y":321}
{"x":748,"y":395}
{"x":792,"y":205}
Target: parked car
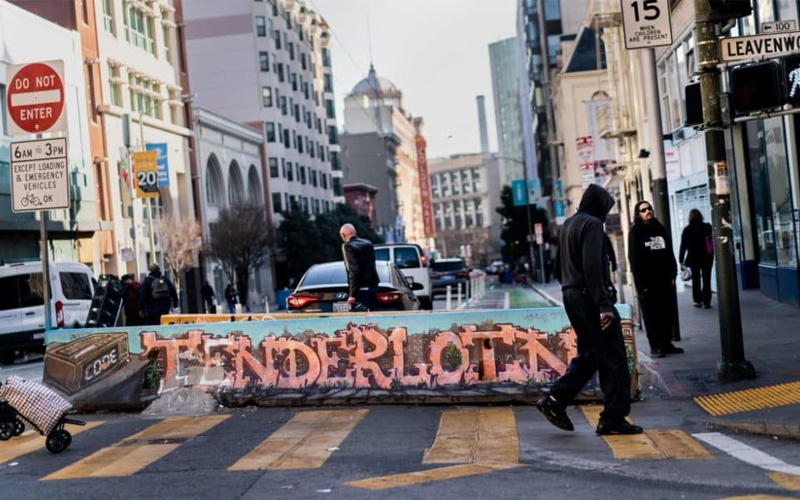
{"x":413,"y":263}
{"x":22,"y":303}
{"x":449,"y":272}
{"x":324,"y":289}
{"x":495,"y":267}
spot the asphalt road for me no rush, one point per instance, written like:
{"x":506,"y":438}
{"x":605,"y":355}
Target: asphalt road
{"x":29,"y":368}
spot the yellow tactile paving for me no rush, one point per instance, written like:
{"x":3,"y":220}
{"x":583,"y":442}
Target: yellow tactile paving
{"x":136,"y":452}
{"x":654,"y":444}
{"x":427,"y":476}
{"x":481,"y":435}
{"x":31,"y":441}
{"x":788,"y":482}
{"x":305,"y":442}
{"x":750,"y":399}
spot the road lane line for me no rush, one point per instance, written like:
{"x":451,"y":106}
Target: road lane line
{"x":679,"y":445}
{"x":305,"y":442}
{"x":747,"y":454}
{"x":136,"y":452}
{"x":480,"y":435}
{"x":427,"y":476}
{"x":788,"y":482}
{"x":630,"y":447}
{"x":31,"y":441}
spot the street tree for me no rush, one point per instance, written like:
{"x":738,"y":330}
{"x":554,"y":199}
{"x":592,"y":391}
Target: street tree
{"x":239,"y":241}
{"x":515,"y":226}
{"x":180,"y":242}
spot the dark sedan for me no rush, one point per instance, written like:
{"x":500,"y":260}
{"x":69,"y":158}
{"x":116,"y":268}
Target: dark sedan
{"x":449,"y":272}
{"x":323,"y":289}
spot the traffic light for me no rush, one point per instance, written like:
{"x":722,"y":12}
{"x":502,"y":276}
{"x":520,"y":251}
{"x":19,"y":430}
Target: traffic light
{"x":694,"y":105}
{"x":758,"y":86}
{"x":722,"y":10}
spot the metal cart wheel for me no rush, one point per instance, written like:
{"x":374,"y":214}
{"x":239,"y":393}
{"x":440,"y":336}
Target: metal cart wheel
{"x":19,"y":428}
{"x":6,"y":431}
{"x":58,"y":441}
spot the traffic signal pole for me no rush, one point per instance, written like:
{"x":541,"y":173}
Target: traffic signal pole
{"x":733,"y":366}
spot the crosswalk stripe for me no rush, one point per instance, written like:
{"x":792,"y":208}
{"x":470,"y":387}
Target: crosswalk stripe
{"x":788,"y":482}
{"x":427,"y":476}
{"x":31,"y":441}
{"x":677,"y":444}
{"x":305,"y":442}
{"x":482,"y":435}
{"x":136,"y":452}
{"x":747,"y":454}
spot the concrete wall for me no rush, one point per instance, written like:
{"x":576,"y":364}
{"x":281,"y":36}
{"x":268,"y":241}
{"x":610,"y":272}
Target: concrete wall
{"x":434,"y":357}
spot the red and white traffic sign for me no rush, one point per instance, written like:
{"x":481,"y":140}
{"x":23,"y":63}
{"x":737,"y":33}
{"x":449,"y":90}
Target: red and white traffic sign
{"x":35,"y":98}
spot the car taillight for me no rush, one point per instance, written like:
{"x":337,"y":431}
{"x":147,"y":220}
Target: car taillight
{"x":299,"y":301}
{"x":389,"y":297}
{"x":59,"y":314}
{"x":424,"y":261}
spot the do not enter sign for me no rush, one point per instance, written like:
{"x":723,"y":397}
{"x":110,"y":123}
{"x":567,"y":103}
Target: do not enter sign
{"x":35,"y":98}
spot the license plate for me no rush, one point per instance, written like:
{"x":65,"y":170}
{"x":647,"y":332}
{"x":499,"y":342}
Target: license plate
{"x":341,"y":307}
{"x":37,"y":336}
{"x":449,"y":278}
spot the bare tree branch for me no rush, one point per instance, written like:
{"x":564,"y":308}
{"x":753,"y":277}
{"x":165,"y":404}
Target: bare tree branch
{"x":181,"y":243}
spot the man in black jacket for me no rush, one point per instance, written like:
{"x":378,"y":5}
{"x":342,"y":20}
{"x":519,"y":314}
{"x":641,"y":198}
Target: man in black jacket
{"x":359,"y":260}
{"x":156,"y":295}
{"x":654,"y":269}
{"x":582,"y":267}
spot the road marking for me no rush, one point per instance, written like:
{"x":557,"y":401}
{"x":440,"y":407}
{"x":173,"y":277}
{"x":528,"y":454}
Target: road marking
{"x":31,"y":441}
{"x":756,"y":497}
{"x":482,"y":435}
{"x":747,"y":454}
{"x":788,"y":482}
{"x":654,"y":444}
{"x":305,"y":442}
{"x":427,"y":476}
{"x":750,"y":399}
{"x":136,"y":452}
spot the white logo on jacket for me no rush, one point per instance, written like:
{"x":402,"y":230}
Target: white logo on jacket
{"x":656,"y":243}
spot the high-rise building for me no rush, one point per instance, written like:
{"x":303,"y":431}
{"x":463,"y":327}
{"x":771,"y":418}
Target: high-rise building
{"x":505,"y":65}
{"x":268,"y":64}
{"x":482,"y":125}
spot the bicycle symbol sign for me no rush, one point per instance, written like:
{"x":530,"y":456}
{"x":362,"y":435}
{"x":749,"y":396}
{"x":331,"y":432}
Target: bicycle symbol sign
{"x":39,"y":175}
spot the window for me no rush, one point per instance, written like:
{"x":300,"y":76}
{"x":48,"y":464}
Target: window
{"x":302,"y":175}
{"x":286,"y":201}
{"x":273,"y":167}
{"x":330,"y":110}
{"x":406,"y":257}
{"x":139,"y":29}
{"x":91,"y":90}
{"x":326,"y":58}
{"x":328,"y":82}
{"x":287,"y":138}
{"x":263,"y":61}
{"x":316,"y":207}
{"x":31,"y":291}
{"x":9,"y":295}
{"x":167,"y":43}
{"x":300,"y":144}
{"x":336,"y":164}
{"x":266,"y":96}
{"x":294,"y":81}
{"x":280,"y":72}
{"x":108,"y":16}
{"x":283,"y":167}
{"x":311,"y":149}
{"x":324,"y":181}
{"x":270,"y":128}
{"x":76,"y":286}
{"x":277,"y":37}
{"x":145,"y":95}
{"x":276,"y":203}
{"x":290,"y":48}
{"x":283,"y":105}
{"x":261,"y":26}
{"x":314,"y":178}
{"x":303,"y":62}
{"x":305,"y":204}
{"x":289,"y":171}
{"x":297,"y":113}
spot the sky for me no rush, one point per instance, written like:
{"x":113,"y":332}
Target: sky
{"x":435,"y":51}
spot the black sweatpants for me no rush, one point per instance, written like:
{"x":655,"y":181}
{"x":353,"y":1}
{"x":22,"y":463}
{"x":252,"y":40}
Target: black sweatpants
{"x":598,"y":350}
{"x":658,"y":314}
{"x":701,"y":295}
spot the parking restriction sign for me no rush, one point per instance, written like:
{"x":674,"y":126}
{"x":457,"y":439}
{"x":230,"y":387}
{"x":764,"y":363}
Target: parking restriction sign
{"x":39,"y":175}
{"x":35,"y":98}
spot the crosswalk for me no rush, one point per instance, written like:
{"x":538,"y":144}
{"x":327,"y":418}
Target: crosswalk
{"x":468,"y":441}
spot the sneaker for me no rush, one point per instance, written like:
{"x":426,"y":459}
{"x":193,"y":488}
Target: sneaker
{"x":698,"y":304}
{"x":657,"y":353}
{"x":619,"y":427}
{"x":671,"y":349}
{"x":554,"y":413}
{"x":707,"y":306}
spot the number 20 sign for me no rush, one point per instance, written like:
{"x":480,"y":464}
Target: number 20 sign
{"x":646,"y":23}
{"x":145,"y":172}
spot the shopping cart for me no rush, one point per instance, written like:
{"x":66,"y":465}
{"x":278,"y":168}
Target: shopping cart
{"x":23,"y":402}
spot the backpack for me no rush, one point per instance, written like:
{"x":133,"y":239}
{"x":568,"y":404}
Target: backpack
{"x":159,"y":289}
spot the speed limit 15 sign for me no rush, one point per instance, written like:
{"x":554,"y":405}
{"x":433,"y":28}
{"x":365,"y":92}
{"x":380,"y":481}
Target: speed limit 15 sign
{"x":646,"y":23}
{"x":145,"y":173}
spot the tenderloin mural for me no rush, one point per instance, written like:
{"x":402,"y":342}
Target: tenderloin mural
{"x":405,"y":358}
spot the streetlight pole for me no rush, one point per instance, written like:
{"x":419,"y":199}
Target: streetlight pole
{"x":149,"y":200}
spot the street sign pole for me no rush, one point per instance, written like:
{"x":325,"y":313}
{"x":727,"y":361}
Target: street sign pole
{"x":48,"y":320}
{"x":733,"y":366}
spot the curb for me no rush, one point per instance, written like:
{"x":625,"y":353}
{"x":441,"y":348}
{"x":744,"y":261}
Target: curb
{"x":763,"y":429}
{"x":651,"y":373}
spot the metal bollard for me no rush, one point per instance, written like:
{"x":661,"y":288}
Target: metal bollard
{"x":449,"y":297}
{"x":458,"y":297}
{"x":217,"y":309}
{"x":238,"y":308}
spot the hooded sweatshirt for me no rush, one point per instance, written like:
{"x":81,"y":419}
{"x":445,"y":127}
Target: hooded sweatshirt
{"x":650,"y":254}
{"x":581,"y":261}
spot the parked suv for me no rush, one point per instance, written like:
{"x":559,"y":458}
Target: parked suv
{"x":449,"y":272}
{"x":413,"y":263}
{"x":22,"y":303}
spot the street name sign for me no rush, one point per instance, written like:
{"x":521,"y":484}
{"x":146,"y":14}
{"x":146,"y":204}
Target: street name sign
{"x":35,"y":98}
{"x":39,"y":175}
{"x":145,"y":174}
{"x":646,"y":23}
{"x":776,"y":26}
{"x":743,"y":48}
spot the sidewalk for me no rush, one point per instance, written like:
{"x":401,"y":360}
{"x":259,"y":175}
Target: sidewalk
{"x":771,"y":332}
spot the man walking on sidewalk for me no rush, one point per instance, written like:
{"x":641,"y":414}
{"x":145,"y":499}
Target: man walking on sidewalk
{"x":359,"y":260}
{"x":582,"y":267}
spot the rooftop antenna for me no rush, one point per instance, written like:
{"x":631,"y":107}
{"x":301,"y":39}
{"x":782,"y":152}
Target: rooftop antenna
{"x":369,"y":38}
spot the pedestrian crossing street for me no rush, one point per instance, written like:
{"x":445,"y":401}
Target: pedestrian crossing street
{"x":468,"y":441}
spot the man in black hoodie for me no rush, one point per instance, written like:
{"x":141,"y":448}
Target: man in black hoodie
{"x":654,"y":269}
{"x":359,"y":260}
{"x":582,"y":267}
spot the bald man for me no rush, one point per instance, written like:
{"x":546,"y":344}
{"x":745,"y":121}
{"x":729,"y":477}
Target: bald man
{"x":359,"y":260}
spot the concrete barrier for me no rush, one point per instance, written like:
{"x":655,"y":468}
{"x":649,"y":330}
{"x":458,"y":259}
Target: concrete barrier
{"x":437,"y":357}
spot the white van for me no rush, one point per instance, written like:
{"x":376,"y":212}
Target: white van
{"x":411,"y":260}
{"x":21,"y":303}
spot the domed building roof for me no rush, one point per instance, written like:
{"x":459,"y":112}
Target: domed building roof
{"x":374,"y":84}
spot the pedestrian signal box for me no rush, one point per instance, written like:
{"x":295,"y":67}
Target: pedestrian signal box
{"x":722,"y":10}
{"x":694,"y":105}
{"x":759,"y":86}
{"x":791,"y":68}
